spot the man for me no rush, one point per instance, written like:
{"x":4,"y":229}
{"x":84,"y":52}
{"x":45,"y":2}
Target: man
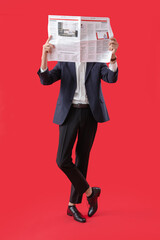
{"x":80,"y":106}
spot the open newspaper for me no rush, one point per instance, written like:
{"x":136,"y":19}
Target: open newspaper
{"x":79,"y":39}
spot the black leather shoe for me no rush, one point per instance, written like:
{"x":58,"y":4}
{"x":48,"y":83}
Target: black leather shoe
{"x":93,"y":201}
{"x":73,"y":211}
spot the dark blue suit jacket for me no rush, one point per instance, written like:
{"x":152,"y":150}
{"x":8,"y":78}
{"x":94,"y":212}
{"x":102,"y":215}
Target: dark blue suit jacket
{"x":66,"y":71}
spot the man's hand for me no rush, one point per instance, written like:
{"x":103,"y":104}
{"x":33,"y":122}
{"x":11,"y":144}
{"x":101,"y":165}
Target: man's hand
{"x":47,"y":47}
{"x":113,"y":46}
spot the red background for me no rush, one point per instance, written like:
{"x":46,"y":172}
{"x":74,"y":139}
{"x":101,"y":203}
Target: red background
{"x":124,"y":160}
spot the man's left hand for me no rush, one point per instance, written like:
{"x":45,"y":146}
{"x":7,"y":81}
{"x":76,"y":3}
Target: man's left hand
{"x":113,"y":46}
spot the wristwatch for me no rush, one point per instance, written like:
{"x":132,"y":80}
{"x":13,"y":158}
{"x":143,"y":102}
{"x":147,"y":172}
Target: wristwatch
{"x":113,"y":59}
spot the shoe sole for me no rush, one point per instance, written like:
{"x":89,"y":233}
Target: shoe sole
{"x":69,"y":214}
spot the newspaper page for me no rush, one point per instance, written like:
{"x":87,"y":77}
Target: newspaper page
{"x":79,"y":39}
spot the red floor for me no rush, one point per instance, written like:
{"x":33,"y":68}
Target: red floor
{"x":118,"y":217}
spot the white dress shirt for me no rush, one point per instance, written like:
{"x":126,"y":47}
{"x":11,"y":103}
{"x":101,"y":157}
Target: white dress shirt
{"x":80,"y":95}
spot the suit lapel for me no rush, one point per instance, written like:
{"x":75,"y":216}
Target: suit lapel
{"x":88,"y":69}
{"x":73,"y":70}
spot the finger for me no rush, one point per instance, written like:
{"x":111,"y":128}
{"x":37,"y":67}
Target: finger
{"x":113,"y":45}
{"x":47,"y":49}
{"x":113,"y":38}
{"x":110,"y":48}
{"x":51,"y":45}
{"x":50,"y":49}
{"x":47,"y":45}
{"x":49,"y":38}
{"x":113,"y":41}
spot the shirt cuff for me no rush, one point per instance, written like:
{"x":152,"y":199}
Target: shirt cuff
{"x":113,"y":66}
{"x":43,"y":70}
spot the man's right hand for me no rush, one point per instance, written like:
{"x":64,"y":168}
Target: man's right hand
{"x":47,"y":47}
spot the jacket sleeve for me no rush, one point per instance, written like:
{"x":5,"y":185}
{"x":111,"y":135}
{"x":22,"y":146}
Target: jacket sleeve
{"x":49,"y":77}
{"x":108,"y":75}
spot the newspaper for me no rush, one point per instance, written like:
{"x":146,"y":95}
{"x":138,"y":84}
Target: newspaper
{"x":79,"y":39}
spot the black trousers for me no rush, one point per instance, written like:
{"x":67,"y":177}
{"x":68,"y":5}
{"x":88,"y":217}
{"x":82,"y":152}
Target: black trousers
{"x":79,"y":123}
